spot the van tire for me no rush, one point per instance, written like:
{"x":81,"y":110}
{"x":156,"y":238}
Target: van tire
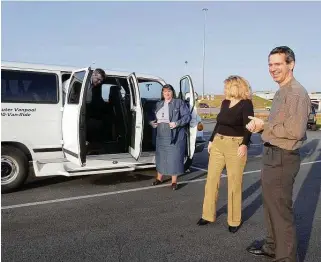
{"x":14,"y":164}
{"x":314,"y":127}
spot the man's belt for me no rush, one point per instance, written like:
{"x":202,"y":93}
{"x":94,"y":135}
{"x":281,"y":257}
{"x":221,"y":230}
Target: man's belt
{"x":267,"y":144}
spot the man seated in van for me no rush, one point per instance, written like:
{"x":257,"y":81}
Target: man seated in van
{"x":95,"y":106}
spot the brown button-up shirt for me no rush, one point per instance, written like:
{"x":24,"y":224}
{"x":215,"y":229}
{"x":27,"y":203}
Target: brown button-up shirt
{"x":287,"y":123}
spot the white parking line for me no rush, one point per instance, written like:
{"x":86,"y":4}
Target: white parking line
{"x":124,"y":191}
{"x":259,"y":170}
{"x":224,"y":175}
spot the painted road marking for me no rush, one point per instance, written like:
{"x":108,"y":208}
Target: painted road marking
{"x":123,"y":191}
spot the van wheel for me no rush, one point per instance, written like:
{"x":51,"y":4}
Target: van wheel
{"x":314,"y":127}
{"x":14,"y":168}
{"x":187,"y":163}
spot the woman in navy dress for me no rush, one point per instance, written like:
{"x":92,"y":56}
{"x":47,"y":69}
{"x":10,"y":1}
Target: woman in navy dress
{"x":170,"y":119}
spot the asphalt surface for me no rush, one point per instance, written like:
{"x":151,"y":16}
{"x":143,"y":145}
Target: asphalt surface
{"x":121,"y":217}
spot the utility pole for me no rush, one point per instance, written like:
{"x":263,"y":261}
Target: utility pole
{"x":205,"y":11}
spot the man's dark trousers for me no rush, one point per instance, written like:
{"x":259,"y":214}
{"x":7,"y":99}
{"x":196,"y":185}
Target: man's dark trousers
{"x":280,"y":168}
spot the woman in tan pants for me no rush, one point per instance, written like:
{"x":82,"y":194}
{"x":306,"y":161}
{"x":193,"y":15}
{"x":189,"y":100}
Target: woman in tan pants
{"x":228,"y":148}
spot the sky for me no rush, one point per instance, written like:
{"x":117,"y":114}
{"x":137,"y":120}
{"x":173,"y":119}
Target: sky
{"x":158,"y":37}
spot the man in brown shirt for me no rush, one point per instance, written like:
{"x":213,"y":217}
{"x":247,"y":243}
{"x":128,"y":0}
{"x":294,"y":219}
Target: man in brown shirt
{"x":283,"y":135}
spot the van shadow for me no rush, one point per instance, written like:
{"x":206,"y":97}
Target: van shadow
{"x":99,"y":179}
{"x":124,"y":177}
{"x":36,"y":182}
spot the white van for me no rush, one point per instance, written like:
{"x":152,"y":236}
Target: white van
{"x":44,"y":116}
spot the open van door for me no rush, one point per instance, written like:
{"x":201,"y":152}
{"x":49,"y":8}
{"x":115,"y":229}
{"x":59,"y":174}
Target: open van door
{"x":136,"y":115}
{"x":188,"y":95}
{"x":73,"y":118}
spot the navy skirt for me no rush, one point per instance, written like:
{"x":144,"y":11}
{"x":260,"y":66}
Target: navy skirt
{"x":169,"y":157}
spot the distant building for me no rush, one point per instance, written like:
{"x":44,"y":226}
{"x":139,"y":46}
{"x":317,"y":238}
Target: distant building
{"x":314,"y":96}
{"x":268,"y":95}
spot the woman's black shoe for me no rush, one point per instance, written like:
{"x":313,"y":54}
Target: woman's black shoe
{"x":157,"y":182}
{"x":174,"y":186}
{"x":234,"y":229}
{"x":203,"y":222}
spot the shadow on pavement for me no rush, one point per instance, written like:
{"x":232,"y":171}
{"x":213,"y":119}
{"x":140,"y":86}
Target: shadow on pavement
{"x":125,"y":177}
{"x":36,"y":182}
{"x":305,"y":207}
{"x":251,"y":208}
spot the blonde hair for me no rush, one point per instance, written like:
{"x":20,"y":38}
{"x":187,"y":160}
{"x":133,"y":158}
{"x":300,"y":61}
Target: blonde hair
{"x":237,"y":87}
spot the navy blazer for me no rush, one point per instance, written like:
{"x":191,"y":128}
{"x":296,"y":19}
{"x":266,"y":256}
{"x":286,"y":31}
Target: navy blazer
{"x":179,"y":113}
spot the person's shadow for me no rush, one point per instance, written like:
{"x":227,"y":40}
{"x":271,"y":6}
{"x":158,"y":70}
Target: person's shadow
{"x":305,"y":206}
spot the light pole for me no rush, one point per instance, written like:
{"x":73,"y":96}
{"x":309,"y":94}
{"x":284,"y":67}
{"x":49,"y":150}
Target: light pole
{"x":204,"y":10}
{"x":186,"y":62}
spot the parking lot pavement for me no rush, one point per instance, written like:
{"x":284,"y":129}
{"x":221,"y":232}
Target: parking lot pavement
{"x":123,"y":218}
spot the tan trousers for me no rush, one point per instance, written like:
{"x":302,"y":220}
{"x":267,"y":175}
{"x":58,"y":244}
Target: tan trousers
{"x":224,"y":153}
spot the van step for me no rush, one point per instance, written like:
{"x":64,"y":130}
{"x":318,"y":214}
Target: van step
{"x":69,"y":169}
{"x":55,"y":160}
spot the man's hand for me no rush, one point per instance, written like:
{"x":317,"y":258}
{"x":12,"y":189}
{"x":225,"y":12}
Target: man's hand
{"x":255,"y":125}
{"x":153,"y":123}
{"x":172,"y":125}
{"x":242,"y":151}
{"x":209,"y":147}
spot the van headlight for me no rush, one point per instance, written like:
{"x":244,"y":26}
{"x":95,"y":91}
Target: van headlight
{"x":200,"y":126}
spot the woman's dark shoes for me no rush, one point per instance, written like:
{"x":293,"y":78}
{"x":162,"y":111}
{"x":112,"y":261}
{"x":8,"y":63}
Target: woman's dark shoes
{"x":233,"y":229}
{"x":157,"y":182}
{"x":174,"y":186}
{"x":203,"y":222}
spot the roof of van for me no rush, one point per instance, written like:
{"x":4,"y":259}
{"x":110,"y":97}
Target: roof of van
{"x":32,"y":66}
{"x":37,"y":66}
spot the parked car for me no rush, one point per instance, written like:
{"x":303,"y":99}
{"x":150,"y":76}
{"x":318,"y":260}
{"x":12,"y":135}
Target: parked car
{"x":203,"y":105}
{"x":312,"y":120}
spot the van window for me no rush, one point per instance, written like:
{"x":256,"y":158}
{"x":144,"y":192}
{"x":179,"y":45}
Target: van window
{"x":29,"y":87}
{"x":150,"y":89}
{"x":185,"y":88}
{"x":132,"y":91}
{"x":105,"y":90}
{"x":75,"y":87}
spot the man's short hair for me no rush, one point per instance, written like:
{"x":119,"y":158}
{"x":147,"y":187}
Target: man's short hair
{"x":100,"y":72}
{"x":289,"y":54}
